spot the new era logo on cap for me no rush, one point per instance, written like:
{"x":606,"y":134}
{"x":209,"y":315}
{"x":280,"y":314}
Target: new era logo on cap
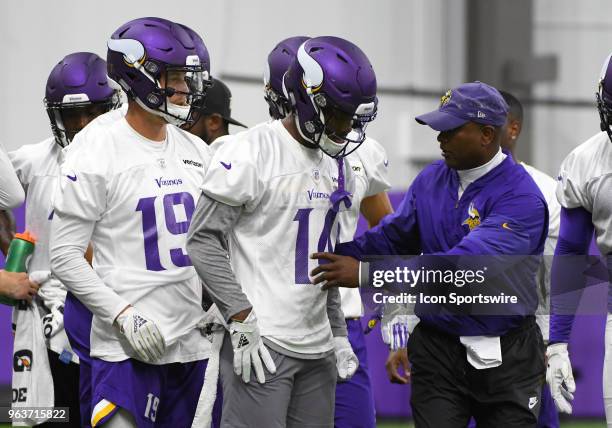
{"x":470,"y":102}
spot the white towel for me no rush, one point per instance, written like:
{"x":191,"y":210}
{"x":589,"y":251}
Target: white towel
{"x":53,"y":295}
{"x":31,"y":372}
{"x":213,"y":326}
{"x":483,"y":352}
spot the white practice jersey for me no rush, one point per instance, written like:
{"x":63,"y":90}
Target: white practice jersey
{"x":547,"y":186}
{"x":110,"y":116}
{"x":219,"y":141}
{"x":285,"y":190}
{"x":37,"y":167}
{"x":370,"y":177}
{"x":141,"y":195}
{"x":11,"y":193}
{"x":585,"y":180}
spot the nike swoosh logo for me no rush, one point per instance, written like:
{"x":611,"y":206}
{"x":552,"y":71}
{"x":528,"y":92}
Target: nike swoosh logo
{"x":226,"y":165}
{"x":72,"y":177}
{"x":505,"y":226}
{"x":386,"y":163}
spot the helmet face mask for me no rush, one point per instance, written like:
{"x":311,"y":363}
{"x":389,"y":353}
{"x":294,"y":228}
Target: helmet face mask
{"x":146,"y":53}
{"x":279,"y":106}
{"x":183,"y":90}
{"x":332,"y":87}
{"x":605,"y":114}
{"x":78,"y":91}
{"x":334,"y":131}
{"x":603,"y":97}
{"x":67,"y":119}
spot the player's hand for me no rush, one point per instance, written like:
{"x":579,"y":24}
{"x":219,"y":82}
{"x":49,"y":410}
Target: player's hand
{"x":396,"y":360}
{"x":339,"y":271}
{"x":249,"y":349}
{"x":53,"y":322}
{"x":17,"y":285}
{"x":142,"y":333}
{"x":346,"y":360}
{"x":559,"y":377}
{"x":395,"y":331}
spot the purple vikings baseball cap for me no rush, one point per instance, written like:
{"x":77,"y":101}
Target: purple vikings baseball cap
{"x":470,"y":102}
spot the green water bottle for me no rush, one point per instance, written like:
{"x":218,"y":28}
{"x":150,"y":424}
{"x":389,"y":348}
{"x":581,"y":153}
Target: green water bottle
{"x":21,"y":248}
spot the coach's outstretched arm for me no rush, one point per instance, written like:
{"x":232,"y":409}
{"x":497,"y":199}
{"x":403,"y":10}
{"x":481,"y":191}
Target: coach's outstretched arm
{"x":508,"y":230}
{"x":397,"y":233}
{"x":208,"y":250}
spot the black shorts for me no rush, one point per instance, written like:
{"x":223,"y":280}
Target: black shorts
{"x":447,"y":390}
{"x":66,"y":389}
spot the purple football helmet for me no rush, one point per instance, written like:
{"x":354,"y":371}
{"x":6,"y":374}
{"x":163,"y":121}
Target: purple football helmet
{"x":279,"y":60}
{"x":604,"y":96}
{"x":331,"y":79}
{"x":77,"y":89}
{"x":145,"y":51}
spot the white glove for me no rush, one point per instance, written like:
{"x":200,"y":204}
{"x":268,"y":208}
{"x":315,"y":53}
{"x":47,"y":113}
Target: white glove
{"x":558,"y":373}
{"x":142,"y":333}
{"x":53,"y":322}
{"x":395,"y":332}
{"x":249,"y":349}
{"x":346,"y":360}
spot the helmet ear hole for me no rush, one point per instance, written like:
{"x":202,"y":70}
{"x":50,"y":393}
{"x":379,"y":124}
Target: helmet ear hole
{"x":151,"y":67}
{"x":320,"y":100}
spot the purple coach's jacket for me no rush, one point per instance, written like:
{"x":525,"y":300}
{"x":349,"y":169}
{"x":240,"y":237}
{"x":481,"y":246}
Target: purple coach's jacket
{"x":501,"y":213}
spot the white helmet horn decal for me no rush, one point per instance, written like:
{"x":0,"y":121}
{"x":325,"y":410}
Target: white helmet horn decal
{"x":133,"y":51}
{"x":313,"y":73}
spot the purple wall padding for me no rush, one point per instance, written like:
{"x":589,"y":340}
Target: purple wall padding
{"x":6,"y":335}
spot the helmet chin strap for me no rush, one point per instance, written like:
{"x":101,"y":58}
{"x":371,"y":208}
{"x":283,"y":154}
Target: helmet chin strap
{"x":324,"y":143}
{"x":168,"y":118}
{"x":330,"y":147}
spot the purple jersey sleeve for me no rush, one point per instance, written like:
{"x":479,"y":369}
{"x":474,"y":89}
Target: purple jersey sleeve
{"x":397,"y":233}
